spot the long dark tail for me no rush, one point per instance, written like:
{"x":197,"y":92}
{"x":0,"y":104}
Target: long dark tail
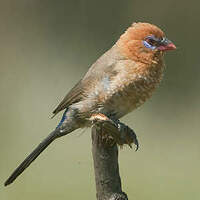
{"x":37,"y":151}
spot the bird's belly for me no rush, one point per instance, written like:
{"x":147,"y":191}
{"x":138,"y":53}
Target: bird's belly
{"x":129,"y":98}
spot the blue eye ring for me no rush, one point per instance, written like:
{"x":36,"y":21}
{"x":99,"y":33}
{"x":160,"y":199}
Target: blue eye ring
{"x":149,"y":46}
{"x":151,"y":42}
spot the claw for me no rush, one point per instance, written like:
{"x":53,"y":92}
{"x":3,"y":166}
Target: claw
{"x":113,"y":129}
{"x":135,"y":141}
{"x":137,"y":146}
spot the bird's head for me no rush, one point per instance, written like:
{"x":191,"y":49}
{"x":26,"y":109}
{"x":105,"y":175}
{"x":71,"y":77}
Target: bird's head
{"x":144,"y":42}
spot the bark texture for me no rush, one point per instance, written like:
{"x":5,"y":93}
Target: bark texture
{"x":106,"y":167}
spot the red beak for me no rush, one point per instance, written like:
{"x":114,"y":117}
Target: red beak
{"x":166,"y":45}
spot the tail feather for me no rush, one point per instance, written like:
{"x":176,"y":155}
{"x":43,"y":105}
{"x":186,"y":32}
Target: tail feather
{"x":39,"y":149}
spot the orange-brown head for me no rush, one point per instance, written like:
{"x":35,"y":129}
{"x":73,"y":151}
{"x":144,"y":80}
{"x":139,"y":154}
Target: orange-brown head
{"x":144,"y":42}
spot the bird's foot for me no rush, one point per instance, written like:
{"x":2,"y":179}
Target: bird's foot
{"x":113,"y":131}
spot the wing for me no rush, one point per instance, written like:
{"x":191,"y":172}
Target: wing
{"x":74,"y":95}
{"x":101,"y":68}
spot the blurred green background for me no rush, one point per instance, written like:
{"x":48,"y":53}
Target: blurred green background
{"x":45,"y":48}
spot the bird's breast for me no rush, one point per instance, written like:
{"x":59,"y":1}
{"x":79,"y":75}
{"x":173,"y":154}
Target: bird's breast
{"x":130,"y":90}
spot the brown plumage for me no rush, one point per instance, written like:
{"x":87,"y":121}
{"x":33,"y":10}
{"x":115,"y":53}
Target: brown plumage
{"x":130,"y":42}
{"x":132,"y":71}
{"x":118,"y":82}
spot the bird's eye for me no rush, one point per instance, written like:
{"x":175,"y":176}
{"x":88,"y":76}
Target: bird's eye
{"x":151,"y":41}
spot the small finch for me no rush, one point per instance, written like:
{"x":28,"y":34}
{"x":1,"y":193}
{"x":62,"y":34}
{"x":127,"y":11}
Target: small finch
{"x":122,"y":79}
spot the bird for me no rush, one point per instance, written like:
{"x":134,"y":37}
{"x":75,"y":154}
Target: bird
{"x":121,"y":80}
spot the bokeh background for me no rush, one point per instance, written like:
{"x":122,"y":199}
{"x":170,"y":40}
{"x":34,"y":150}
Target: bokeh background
{"x":45,"y":48}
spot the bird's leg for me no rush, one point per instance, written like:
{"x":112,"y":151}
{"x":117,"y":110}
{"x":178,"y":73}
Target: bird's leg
{"x":114,"y":131}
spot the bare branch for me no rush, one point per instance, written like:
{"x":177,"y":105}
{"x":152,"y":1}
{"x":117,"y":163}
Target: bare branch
{"x":106,"y":134}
